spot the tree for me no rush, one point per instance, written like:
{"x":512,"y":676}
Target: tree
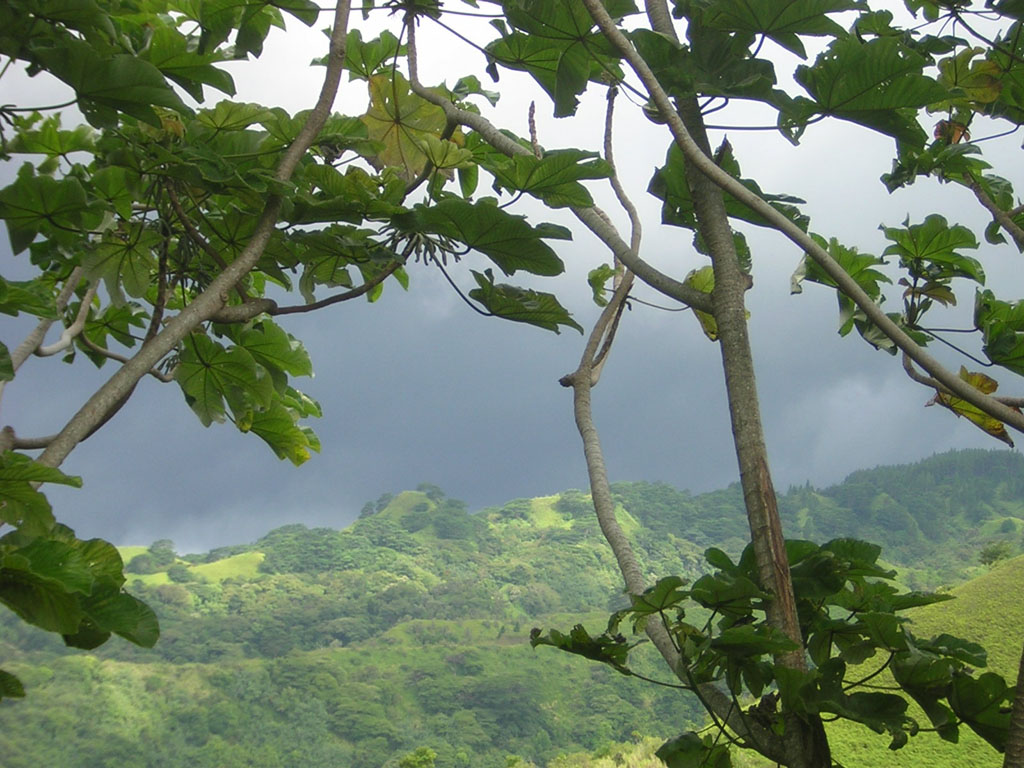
{"x":186,"y":214}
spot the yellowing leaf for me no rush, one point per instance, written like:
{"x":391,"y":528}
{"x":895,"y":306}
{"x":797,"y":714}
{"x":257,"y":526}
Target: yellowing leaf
{"x":402,"y":122}
{"x":703,"y":280}
{"x":960,"y":407}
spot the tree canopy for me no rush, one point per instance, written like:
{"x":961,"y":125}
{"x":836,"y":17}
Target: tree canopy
{"x":170,"y":230}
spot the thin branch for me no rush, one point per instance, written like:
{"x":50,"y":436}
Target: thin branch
{"x":69,"y":333}
{"x":92,"y":346}
{"x":197,"y":237}
{"x":928,"y":381}
{"x":35,"y":338}
{"x":366,"y":287}
{"x":830,"y":266}
{"x":206,"y":304}
{"x":636,"y":228}
{"x":591,"y":217}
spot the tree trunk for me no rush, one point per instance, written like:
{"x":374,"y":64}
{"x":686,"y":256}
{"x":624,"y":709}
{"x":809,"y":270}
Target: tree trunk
{"x":806,"y":744}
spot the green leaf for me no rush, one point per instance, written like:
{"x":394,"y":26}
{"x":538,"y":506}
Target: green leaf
{"x":170,"y":52}
{"x":42,"y":603}
{"x":557,"y":47}
{"x":208,"y":374}
{"x":233,"y":115}
{"x":363,"y":60}
{"x":507,"y":240}
{"x":692,"y":751}
{"x":781,"y":20}
{"x":6,"y":364}
{"x":34,"y":203}
{"x":120,"y":83}
{"x":752,"y":640}
{"x":878,"y":83}
{"x":50,"y":140}
{"x":272,"y":346}
{"x":521,"y":305}
{"x":125,"y":257}
{"x":610,"y":650}
{"x":554,"y":178}
{"x":929,"y":250}
{"x":703,"y":280}
{"x":597,"y":278}
{"x":979,"y":702}
{"x":276,"y":426}
{"x":669,"y":185}
{"x":32,"y":296}
{"x":666,"y":594}
{"x":112,"y":610}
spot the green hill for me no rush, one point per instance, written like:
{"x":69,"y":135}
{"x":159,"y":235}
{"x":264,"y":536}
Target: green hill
{"x":318,"y":647}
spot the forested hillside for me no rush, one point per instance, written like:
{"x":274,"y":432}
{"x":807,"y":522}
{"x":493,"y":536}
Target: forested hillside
{"x":408,"y":629}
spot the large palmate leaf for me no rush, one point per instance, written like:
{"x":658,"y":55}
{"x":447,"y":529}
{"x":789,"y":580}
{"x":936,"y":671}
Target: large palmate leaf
{"x":781,"y":20}
{"x":125,"y":258}
{"x":553,"y":178}
{"x":557,"y":46}
{"x":105,"y":86}
{"x":930,"y":249}
{"x":364,"y":59}
{"x":22,"y":505}
{"x":401,"y":121}
{"x":507,"y":240}
{"x":520,"y":304}
{"x":32,"y":203}
{"x":209,"y":373}
{"x":878,"y":83}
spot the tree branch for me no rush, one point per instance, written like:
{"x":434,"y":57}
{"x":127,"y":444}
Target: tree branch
{"x":366,"y":287}
{"x":166,"y":378}
{"x":206,"y":305}
{"x":30,"y":343}
{"x":1004,"y":218}
{"x":845,"y":283}
{"x":591,"y":217}
{"x":69,"y":333}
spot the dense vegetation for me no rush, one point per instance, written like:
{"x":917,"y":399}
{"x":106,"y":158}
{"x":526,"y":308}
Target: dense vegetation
{"x":321,"y":647}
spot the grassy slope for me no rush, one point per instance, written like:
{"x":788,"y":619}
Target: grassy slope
{"x":988,"y":611}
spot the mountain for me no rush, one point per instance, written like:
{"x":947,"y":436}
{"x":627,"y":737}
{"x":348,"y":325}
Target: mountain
{"x":317,"y":647}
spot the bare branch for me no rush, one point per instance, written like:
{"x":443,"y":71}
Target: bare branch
{"x":73,"y":330}
{"x":109,"y":396}
{"x":846,"y":284}
{"x":636,"y":228}
{"x":24,"y":350}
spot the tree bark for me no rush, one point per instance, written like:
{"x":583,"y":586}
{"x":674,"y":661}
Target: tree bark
{"x":806,"y":744}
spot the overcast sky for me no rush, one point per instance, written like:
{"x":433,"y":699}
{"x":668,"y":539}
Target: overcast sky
{"x":418,"y":388}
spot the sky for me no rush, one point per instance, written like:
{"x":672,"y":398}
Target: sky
{"x":418,"y":388}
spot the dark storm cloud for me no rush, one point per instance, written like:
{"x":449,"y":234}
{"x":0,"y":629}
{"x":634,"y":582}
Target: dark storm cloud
{"x":419,"y":388}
